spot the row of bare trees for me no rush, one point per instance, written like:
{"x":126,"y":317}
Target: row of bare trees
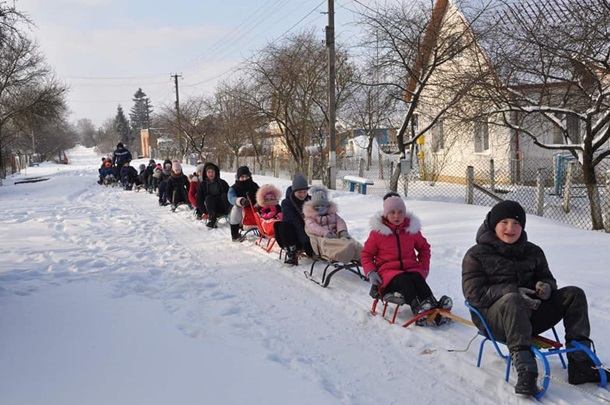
{"x":32,"y":106}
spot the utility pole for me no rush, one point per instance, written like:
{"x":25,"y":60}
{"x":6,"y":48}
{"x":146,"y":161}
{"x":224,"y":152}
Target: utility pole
{"x":180,"y":151}
{"x":330,"y":43}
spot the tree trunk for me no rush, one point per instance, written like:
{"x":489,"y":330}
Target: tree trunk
{"x":394,"y":177}
{"x":593,"y":195}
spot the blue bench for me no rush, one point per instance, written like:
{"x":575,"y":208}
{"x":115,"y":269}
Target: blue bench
{"x":360,"y":181}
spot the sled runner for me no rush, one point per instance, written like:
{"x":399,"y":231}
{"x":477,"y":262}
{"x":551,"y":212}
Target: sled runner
{"x":331,"y":267}
{"x":542,"y":347}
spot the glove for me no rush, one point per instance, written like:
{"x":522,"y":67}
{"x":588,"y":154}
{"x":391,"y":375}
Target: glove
{"x":543,"y":290}
{"x":527,"y":295}
{"x":331,"y":235}
{"x":344,"y":234}
{"x":244,"y":202}
{"x":374,"y":278}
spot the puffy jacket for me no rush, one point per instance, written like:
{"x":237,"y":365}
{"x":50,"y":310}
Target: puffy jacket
{"x":292,"y":211}
{"x":320,"y":225}
{"x":392,"y":250}
{"x":492,"y":268}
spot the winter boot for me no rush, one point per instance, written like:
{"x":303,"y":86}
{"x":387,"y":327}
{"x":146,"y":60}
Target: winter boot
{"x":291,"y":255}
{"x":418,"y":307}
{"x":211,"y":222}
{"x":581,"y":368}
{"x":394,"y":298}
{"x":445,"y":303}
{"x":235,"y":236}
{"x":524,"y":363}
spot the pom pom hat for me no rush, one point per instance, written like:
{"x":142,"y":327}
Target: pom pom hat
{"x":319,"y":196}
{"x":393,"y":203}
{"x":503,"y":210}
{"x":176,"y":166}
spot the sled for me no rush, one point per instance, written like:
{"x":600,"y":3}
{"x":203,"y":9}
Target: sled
{"x":248,"y":222}
{"x":542,"y":347}
{"x":331,"y":268}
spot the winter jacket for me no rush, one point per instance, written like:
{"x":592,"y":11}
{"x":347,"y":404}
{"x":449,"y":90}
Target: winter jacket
{"x":242,"y":189}
{"x":214,"y":188}
{"x":292,"y":211}
{"x":120,"y":156}
{"x":193,"y":187}
{"x":392,"y":250}
{"x":178,"y":187}
{"x":492,"y":268}
{"x":320,"y":225}
{"x":128,"y":174}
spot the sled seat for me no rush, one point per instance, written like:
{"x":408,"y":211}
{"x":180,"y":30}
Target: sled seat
{"x":542,"y":347}
{"x":331,"y":267}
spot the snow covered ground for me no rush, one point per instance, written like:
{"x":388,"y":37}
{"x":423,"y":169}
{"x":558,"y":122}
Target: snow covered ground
{"x":107,"y":298}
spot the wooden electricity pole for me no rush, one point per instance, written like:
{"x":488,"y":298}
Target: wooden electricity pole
{"x":330,"y":43}
{"x":180,"y":151}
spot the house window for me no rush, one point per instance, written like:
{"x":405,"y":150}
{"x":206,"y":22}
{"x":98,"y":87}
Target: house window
{"x":481,"y":136}
{"x":438,"y":137}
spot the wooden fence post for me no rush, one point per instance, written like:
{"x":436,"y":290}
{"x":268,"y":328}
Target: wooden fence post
{"x":567,"y":190}
{"x":310,"y":170}
{"x":492,"y":176}
{"x":539,"y":193}
{"x":470,"y":185}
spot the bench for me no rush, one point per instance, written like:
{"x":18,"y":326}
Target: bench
{"x":360,"y":181}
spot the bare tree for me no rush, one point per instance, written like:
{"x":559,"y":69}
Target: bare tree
{"x":413,"y":43}
{"x":553,"y":64}
{"x":289,"y":82}
{"x":86,"y":132}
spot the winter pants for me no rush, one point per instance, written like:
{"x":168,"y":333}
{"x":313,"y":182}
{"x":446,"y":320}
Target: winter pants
{"x":286,"y":235}
{"x":411,"y":285}
{"x":511,"y":320}
{"x":217,"y":205}
{"x":236,"y":215}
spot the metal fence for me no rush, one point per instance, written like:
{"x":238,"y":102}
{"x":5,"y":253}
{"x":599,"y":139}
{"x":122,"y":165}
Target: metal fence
{"x":564,"y":197}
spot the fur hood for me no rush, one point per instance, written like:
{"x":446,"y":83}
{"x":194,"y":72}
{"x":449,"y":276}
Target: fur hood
{"x":411,"y":225}
{"x":309,"y":211}
{"x":264,"y":190}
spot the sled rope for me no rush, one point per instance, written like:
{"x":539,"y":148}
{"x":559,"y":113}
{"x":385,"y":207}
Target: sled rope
{"x":467,"y":347}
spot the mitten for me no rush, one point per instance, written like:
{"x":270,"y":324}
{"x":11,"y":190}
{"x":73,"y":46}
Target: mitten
{"x":543,"y":290}
{"x":344,"y":234}
{"x":374,"y":278}
{"x":244,"y":202}
{"x":330,"y":235}
{"x":527,"y":295}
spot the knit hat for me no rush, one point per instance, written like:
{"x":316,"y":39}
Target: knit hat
{"x":242,"y":171}
{"x":142,"y":167}
{"x":503,"y":210}
{"x":151,"y":162}
{"x":299,"y":182}
{"x":176,"y":166}
{"x":319,"y":196}
{"x":393,"y":203}
{"x":120,"y":145}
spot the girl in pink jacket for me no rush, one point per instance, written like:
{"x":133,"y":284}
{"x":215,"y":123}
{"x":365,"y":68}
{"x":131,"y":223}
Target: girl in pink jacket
{"x":396,"y":259}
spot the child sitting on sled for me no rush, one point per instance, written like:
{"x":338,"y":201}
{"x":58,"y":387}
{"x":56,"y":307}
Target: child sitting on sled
{"x":327,"y":230}
{"x":396,"y":259}
{"x":269,"y":208}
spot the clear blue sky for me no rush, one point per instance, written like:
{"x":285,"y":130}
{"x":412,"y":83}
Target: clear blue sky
{"x":105,"y":49}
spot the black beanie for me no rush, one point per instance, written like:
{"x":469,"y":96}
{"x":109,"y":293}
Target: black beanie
{"x":242,"y":171}
{"x":506,"y":209}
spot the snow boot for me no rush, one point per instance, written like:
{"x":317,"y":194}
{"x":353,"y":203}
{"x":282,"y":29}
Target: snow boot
{"x":211,"y":222}
{"x":445,"y":303}
{"x":524,"y":363}
{"x":394,"y":298}
{"x":581,"y":368}
{"x":235,"y":236}
{"x":291,"y":255}
{"x":418,"y":307}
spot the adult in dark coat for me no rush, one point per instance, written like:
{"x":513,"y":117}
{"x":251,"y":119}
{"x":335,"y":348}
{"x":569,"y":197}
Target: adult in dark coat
{"x":240,"y":194}
{"x":507,"y":278}
{"x":177,"y":186}
{"x":120,"y":156}
{"x":212,"y":195}
{"x":290,"y":231}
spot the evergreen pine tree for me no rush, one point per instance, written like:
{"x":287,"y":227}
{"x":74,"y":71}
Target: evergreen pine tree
{"x":121,"y":126}
{"x":140,"y":112}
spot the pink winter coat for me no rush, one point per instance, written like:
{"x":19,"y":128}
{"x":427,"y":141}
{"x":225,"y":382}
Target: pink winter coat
{"x":392,"y":250}
{"x":321,"y":225}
